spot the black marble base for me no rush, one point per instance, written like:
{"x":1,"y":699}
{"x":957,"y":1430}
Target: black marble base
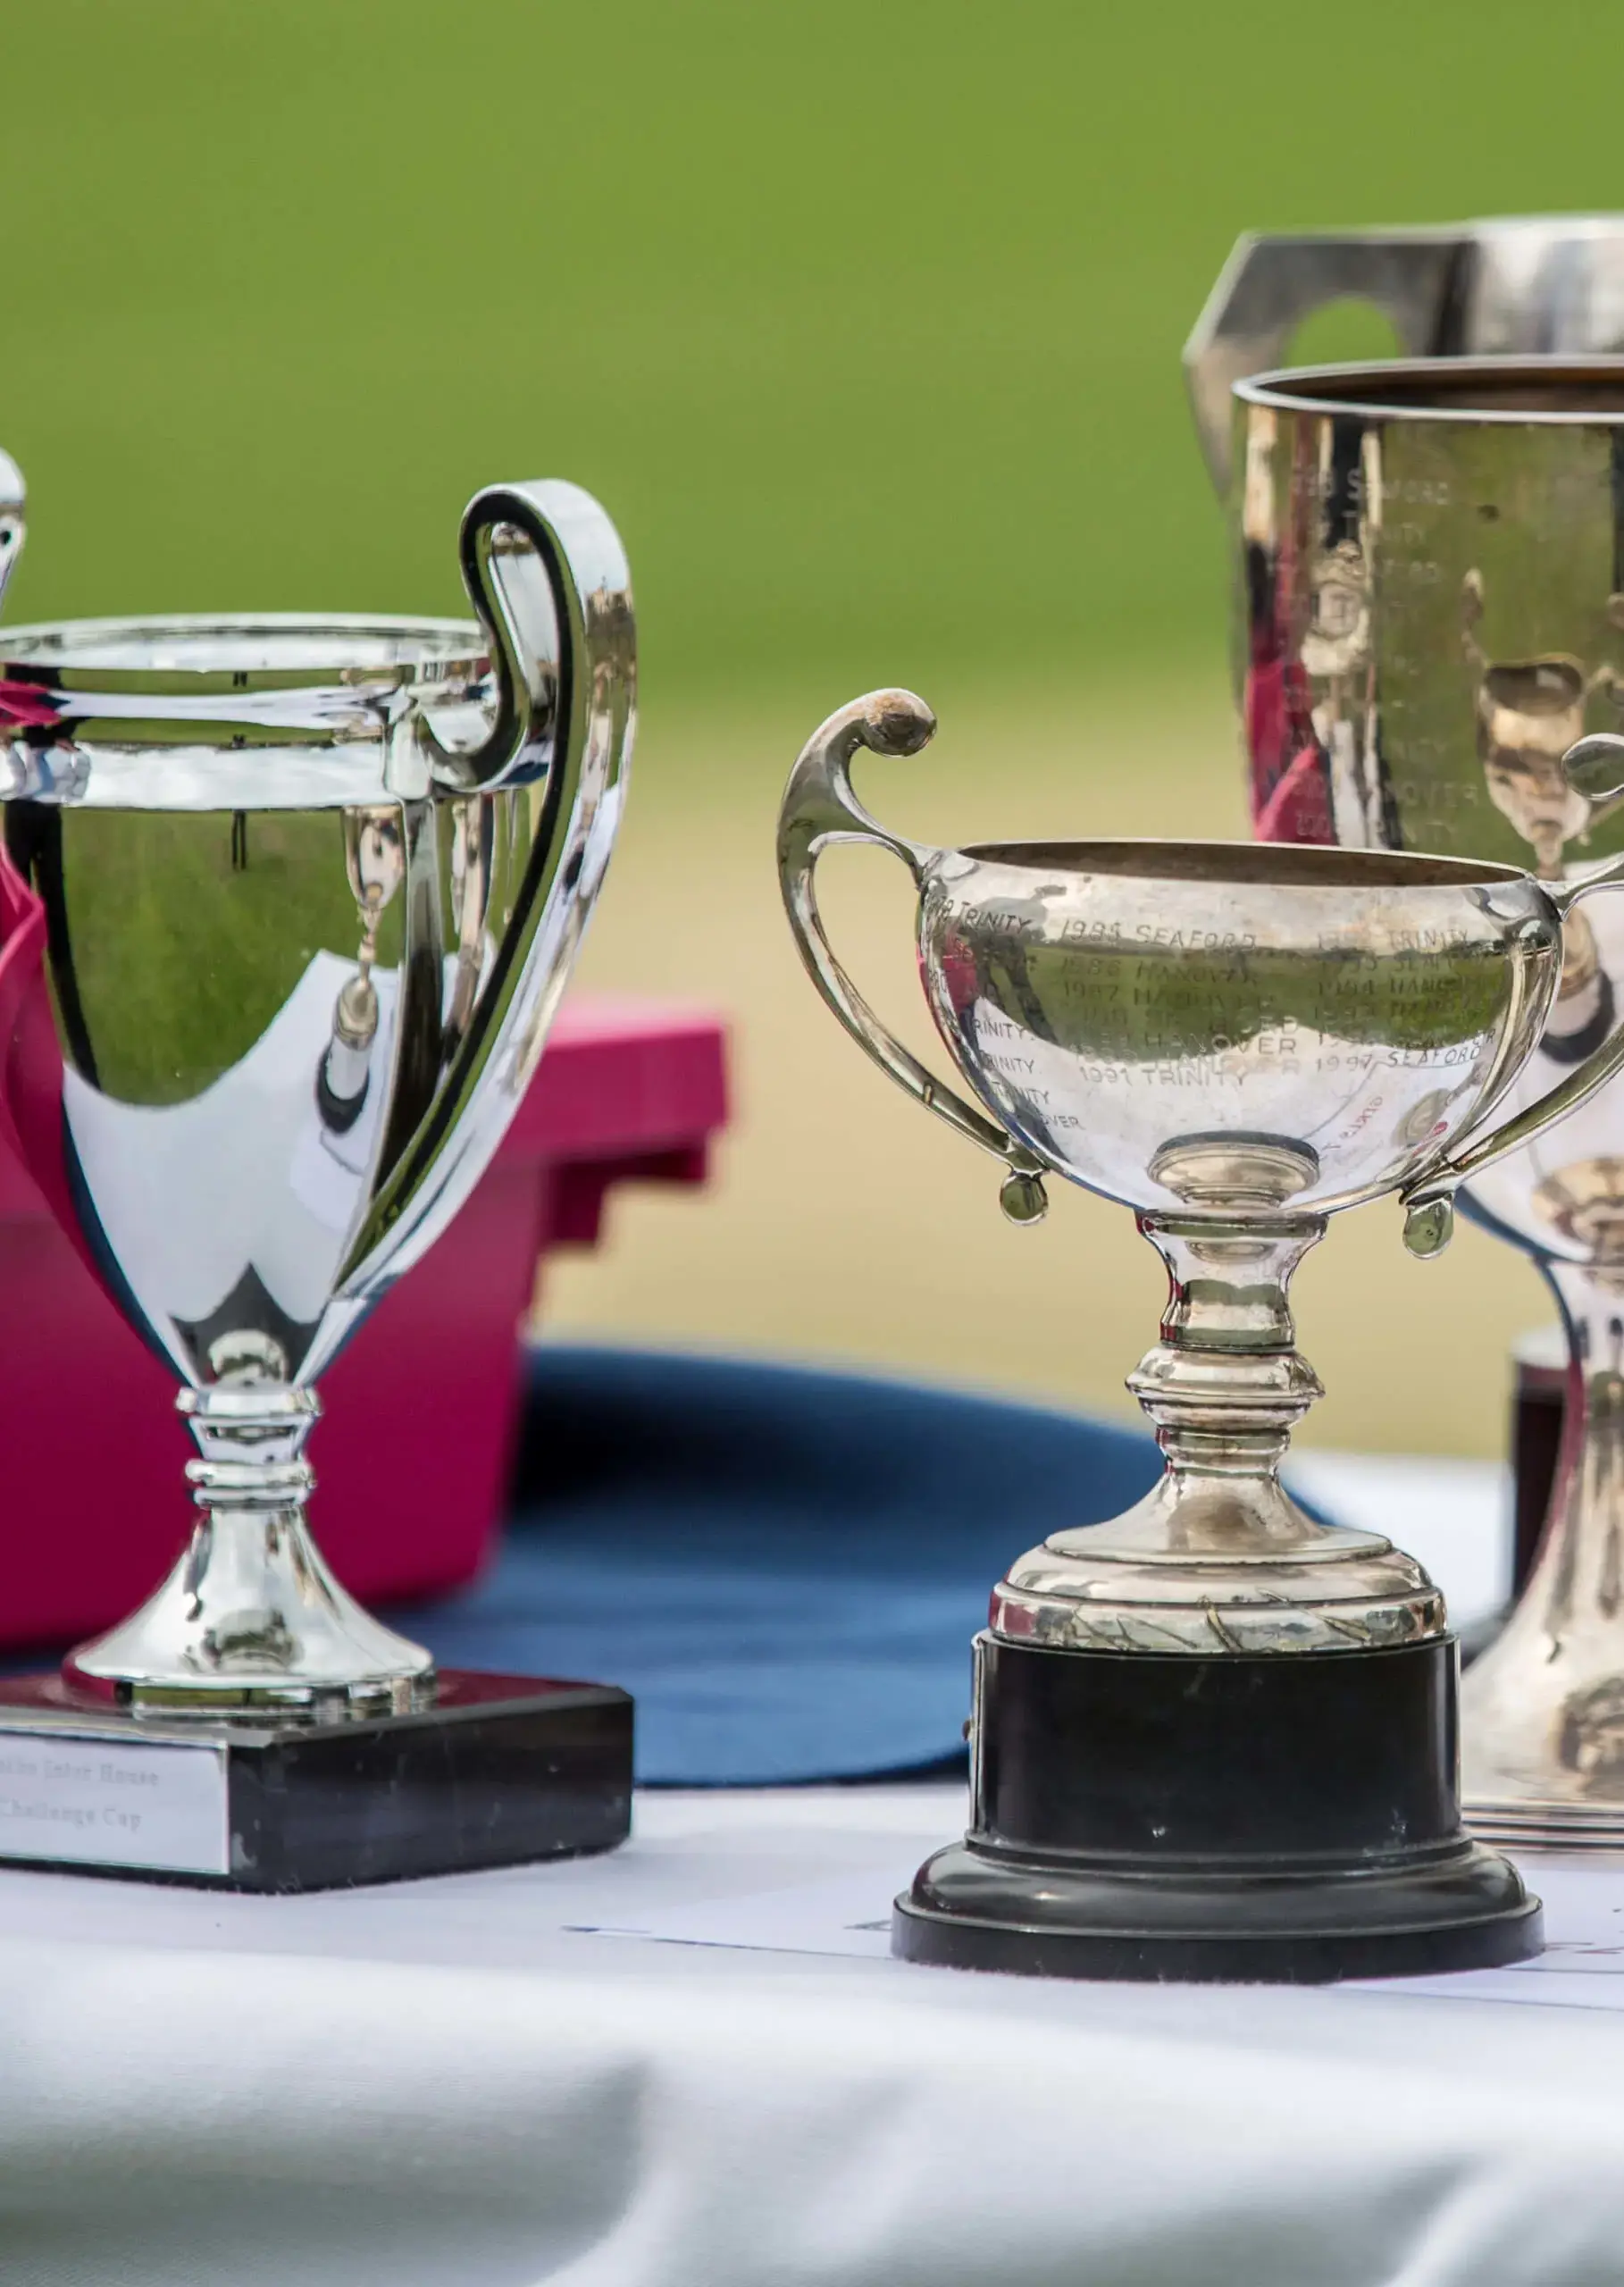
{"x":1289,"y":1820}
{"x":493,"y":1770}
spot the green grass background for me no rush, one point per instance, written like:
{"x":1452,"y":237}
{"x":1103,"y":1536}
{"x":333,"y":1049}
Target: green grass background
{"x":864,"y":319}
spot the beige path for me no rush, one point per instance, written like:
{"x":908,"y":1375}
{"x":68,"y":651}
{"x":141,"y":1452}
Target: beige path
{"x":844,"y":1224}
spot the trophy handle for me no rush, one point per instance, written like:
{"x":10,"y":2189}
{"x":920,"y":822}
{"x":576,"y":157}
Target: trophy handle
{"x":1270,"y":284}
{"x":819,"y":809}
{"x":549,"y":578}
{"x":1594,"y":767}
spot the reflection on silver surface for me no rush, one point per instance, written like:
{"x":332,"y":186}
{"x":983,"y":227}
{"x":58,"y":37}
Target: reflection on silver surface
{"x":309,"y":893}
{"x":1519,"y":285}
{"x":1483,"y":496}
{"x":1235,"y":1042}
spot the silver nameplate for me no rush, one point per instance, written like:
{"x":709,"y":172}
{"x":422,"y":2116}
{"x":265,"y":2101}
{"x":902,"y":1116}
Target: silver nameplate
{"x":83,"y":1800}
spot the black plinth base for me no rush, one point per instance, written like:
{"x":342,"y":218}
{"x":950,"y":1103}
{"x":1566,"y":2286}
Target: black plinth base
{"x":1290,"y":1820}
{"x":495,"y":1771}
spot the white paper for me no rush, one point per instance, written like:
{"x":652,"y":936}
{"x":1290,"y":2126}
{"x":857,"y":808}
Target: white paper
{"x":1581,"y":1967}
{"x":82,"y":1799}
{"x":848,"y":1915}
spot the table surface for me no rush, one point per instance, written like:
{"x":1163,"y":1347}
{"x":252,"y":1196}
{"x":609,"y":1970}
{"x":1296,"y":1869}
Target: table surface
{"x":693,"y":2064}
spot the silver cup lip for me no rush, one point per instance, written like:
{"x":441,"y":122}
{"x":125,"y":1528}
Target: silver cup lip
{"x":262,"y":710}
{"x":1244,"y":865}
{"x":1509,"y":392}
{"x":202,"y":651}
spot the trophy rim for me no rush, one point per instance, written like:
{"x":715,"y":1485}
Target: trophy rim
{"x":1357,"y":388}
{"x":1250,"y":865}
{"x":317,"y":646}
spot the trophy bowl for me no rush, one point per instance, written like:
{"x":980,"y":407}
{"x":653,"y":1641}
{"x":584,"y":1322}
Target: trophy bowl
{"x":305,"y":892}
{"x":1432,"y":655}
{"x":1213,"y":1737}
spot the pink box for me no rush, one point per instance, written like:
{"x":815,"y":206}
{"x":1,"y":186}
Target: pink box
{"x":421,"y":1411}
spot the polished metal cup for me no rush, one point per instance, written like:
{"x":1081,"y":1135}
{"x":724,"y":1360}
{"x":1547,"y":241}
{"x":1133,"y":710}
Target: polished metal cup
{"x":1520,"y":285}
{"x":1431,"y":656}
{"x":308,"y":891}
{"x":1235,"y":1042}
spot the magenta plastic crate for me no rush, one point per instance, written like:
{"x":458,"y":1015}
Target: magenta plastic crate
{"x":411,"y":1456}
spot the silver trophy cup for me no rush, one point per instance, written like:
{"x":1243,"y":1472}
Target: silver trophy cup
{"x":1524,"y":284}
{"x":1432,"y":657}
{"x":1212,"y":1737}
{"x":307,"y":892}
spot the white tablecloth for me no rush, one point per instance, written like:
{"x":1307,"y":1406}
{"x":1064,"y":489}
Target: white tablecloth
{"x":691,"y":2064}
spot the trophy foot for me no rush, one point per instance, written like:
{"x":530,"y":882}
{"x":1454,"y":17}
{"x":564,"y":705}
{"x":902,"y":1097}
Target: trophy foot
{"x":290,"y":1641}
{"x":1216,"y":1562}
{"x":251,"y":1620}
{"x":1286,"y":1820}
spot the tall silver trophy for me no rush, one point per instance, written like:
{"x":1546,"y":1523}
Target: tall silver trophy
{"x":290,"y":903}
{"x":1431,"y":656}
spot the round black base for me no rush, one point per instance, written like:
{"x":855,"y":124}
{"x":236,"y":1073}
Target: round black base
{"x":967,"y":1911}
{"x":1290,"y":1820}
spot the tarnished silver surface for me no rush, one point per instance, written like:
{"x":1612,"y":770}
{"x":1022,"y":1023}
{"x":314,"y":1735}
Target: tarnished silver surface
{"x":309,"y":893}
{"x":1234,"y":1041}
{"x":1524,"y":284}
{"x":1432,"y":614}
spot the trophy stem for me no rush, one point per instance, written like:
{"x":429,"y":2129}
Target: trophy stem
{"x":250,"y":1618}
{"x":1543,"y":1708}
{"x":1217,"y":1557}
{"x":1226,"y":1384}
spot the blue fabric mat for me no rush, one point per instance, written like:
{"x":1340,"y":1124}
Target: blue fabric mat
{"x":785,"y":1568}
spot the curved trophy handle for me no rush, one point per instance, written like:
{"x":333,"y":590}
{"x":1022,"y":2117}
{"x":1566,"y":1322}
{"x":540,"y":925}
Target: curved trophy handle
{"x":1270,"y":284}
{"x":820,"y":808}
{"x":1594,"y":767}
{"x":549,"y":577}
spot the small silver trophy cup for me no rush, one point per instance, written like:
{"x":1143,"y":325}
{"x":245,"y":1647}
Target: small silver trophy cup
{"x":1431,"y":656}
{"x":1212,"y":1737}
{"x":307,"y":893}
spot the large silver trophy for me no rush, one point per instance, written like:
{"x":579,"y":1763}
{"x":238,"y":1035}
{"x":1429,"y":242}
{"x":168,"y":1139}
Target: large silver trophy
{"x":307,"y":891}
{"x":1432,"y":657}
{"x":1212,"y":1737}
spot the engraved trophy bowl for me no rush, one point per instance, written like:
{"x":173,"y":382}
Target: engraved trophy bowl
{"x":1514,"y":285}
{"x":306,"y":892}
{"x":1235,"y":1042}
{"x":1473,"y":504}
